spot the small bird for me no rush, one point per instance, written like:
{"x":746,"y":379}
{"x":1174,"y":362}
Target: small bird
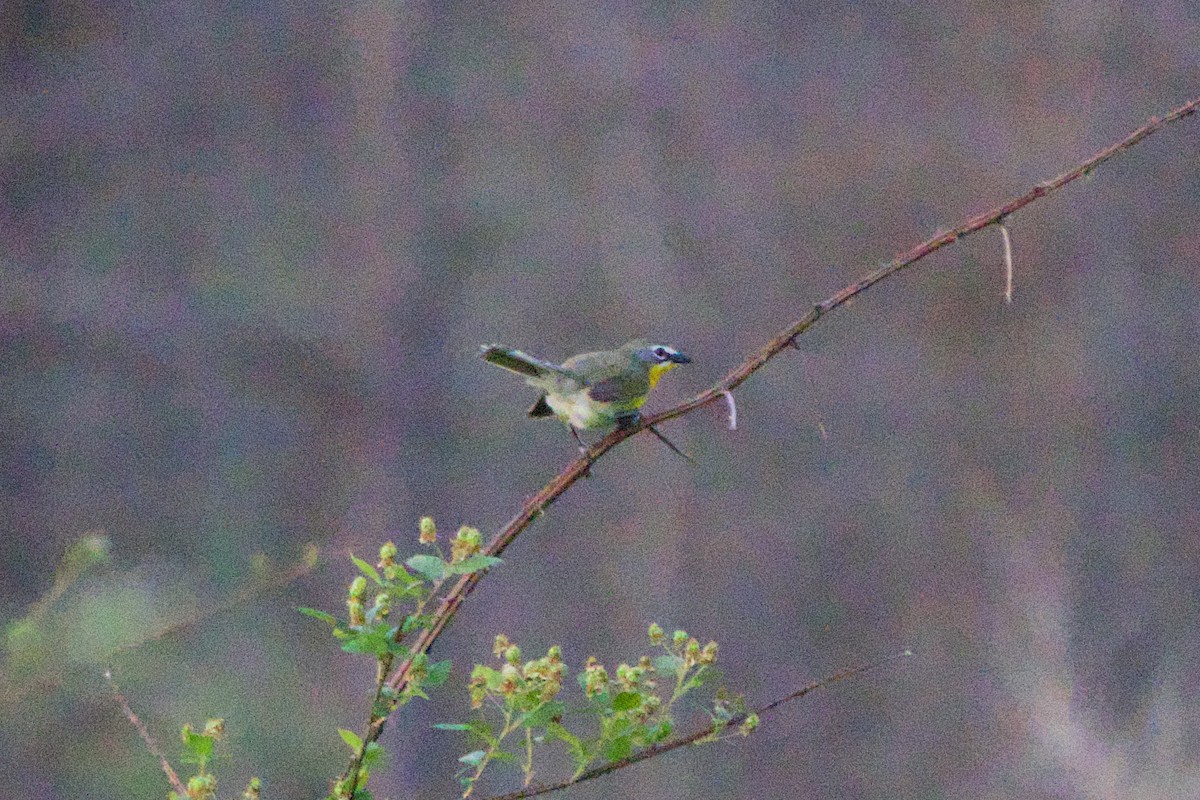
{"x":593,"y":390}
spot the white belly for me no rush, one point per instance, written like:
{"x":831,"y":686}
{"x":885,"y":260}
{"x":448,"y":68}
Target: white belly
{"x":579,"y":410}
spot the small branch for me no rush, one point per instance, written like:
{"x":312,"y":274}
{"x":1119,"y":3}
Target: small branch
{"x":537,"y":505}
{"x":703,"y":733}
{"x":1008,"y":265}
{"x":151,"y":745}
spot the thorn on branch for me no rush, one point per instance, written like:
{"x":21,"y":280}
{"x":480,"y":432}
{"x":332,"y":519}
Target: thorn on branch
{"x":733,"y":406}
{"x":1008,"y":262}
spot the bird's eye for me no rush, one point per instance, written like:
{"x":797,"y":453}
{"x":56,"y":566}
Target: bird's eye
{"x":661,"y":353}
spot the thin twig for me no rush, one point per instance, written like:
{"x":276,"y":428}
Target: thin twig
{"x":704,"y":733}
{"x":12,"y":694}
{"x":1008,"y":264}
{"x":253,"y":589}
{"x":537,"y":505}
{"x":151,"y":745}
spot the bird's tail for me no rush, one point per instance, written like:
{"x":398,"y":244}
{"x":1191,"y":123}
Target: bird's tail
{"x":519,"y":362}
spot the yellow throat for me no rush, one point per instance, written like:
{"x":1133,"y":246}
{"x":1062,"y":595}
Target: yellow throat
{"x":657,"y":370}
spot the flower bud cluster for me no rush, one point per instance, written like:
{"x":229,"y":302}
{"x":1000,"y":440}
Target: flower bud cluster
{"x":201,"y":787}
{"x":466,"y":543}
{"x":690,"y":650}
{"x":521,"y":684}
{"x":354,"y":601}
{"x":253,"y":790}
{"x":595,"y":677}
{"x":633,"y":678}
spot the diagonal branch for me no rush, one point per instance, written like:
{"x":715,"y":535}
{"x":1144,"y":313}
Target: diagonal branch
{"x":144,"y":732}
{"x":537,"y":505}
{"x":696,"y":736}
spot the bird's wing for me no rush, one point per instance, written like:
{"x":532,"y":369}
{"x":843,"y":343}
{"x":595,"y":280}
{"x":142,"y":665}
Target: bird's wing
{"x":522,"y":363}
{"x":610,"y":377}
{"x":619,"y":388}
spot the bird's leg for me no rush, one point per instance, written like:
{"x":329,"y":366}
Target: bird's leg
{"x":628,"y":420}
{"x":584,"y":450}
{"x":669,"y":444}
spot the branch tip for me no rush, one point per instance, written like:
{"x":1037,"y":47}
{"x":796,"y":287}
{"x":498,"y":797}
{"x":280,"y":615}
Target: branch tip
{"x":1008,"y":260}
{"x":733,"y":406}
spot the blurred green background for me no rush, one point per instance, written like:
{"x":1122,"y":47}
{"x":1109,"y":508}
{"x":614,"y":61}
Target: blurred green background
{"x":249,"y":253}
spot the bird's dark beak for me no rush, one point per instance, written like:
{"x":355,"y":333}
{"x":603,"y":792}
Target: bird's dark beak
{"x":680,"y":358}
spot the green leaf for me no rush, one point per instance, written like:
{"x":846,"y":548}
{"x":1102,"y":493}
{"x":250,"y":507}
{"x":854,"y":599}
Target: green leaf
{"x":627,"y":701}
{"x":668,"y":664}
{"x":619,"y":726}
{"x":472,"y":758}
{"x":481,"y":729}
{"x":351,"y":738}
{"x":642,"y":735}
{"x":368,"y":643}
{"x":377,"y":640}
{"x":579,"y":753}
{"x":543,"y":714}
{"x":374,"y":755}
{"x":197,"y":747}
{"x":366,"y":569}
{"x":473,"y":563}
{"x":477,"y":729}
{"x":705,"y":675}
{"x":418,"y":589}
{"x":402,"y":576}
{"x":556,"y":730}
{"x":321,"y":615}
{"x":617,"y":749}
{"x":503,"y":755}
{"x":439,"y":671}
{"x":432,"y":567}
{"x":491,"y":677}
{"x":600,"y":703}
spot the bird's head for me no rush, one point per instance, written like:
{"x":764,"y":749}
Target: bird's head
{"x":657,"y":358}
